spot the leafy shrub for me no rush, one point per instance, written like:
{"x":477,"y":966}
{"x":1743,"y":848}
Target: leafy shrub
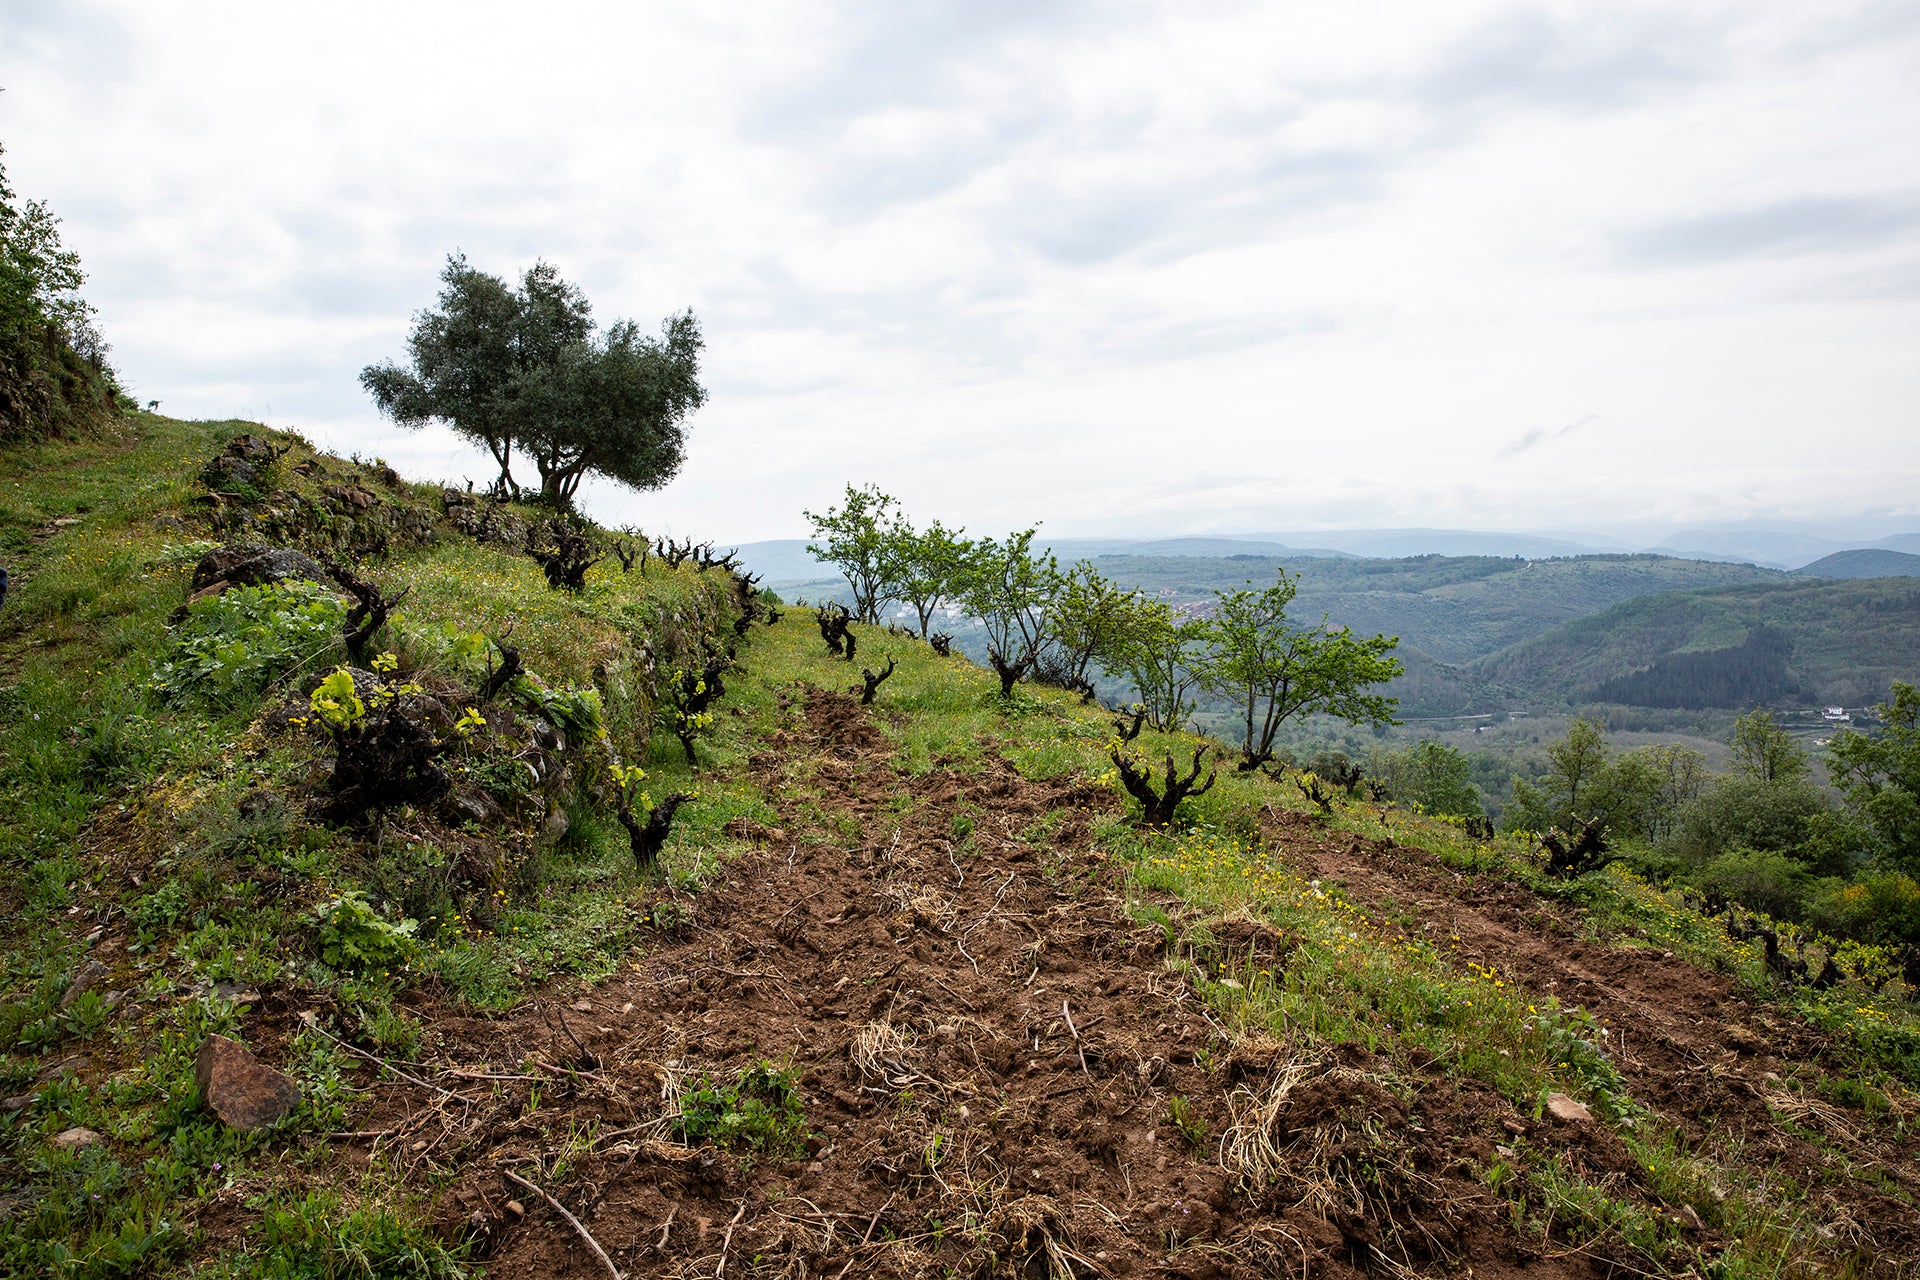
{"x":761,"y":1110}
{"x":1881,"y":909}
{"x":575,"y":712}
{"x":1769,"y":882}
{"x":1745,"y":813}
{"x":234,"y":645}
{"x":353,"y":937}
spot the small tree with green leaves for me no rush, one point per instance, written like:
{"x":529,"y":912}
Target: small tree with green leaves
{"x":1011,"y":590}
{"x":1089,"y":618}
{"x":1274,"y":671}
{"x":1160,"y":652}
{"x":1879,"y":780}
{"x":53,"y":370}
{"x":1764,"y":752}
{"x":857,"y":537}
{"x":929,"y":566}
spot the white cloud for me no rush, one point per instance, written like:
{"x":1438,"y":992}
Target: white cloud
{"x":1122,"y":268}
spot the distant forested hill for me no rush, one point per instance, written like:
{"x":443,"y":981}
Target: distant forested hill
{"x":1452,"y":608}
{"x":1868,"y":562}
{"x":1447,"y":610}
{"x":1793,"y":641}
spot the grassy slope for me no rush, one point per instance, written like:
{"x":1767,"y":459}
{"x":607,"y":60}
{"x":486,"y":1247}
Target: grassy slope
{"x":125,"y":841}
{"x":1850,"y":639}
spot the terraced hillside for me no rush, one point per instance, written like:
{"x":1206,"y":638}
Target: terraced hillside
{"x":906,"y":991}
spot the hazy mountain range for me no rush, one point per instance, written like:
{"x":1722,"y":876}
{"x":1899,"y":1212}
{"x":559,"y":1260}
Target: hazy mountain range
{"x":785,"y":562}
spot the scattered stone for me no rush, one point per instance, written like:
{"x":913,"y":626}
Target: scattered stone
{"x":748,"y":829}
{"x":69,"y":1066}
{"x":252,"y":565}
{"x":236,"y":1086}
{"x":517,"y":1209}
{"x":83,"y":979}
{"x":76,"y":1138}
{"x":475,"y":806}
{"x":1561,"y":1107}
{"x":19,"y":1101}
{"x":583,"y":1006}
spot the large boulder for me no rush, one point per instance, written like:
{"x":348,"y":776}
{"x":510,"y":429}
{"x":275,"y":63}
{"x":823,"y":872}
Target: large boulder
{"x":243,"y":1091}
{"x":252,"y":565}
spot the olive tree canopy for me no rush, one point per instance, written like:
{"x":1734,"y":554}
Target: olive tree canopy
{"x":523,"y":369}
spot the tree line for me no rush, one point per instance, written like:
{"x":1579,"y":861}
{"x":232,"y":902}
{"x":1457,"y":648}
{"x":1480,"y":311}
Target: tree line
{"x":1764,"y":834}
{"x":54,"y":376}
{"x":1057,"y":625}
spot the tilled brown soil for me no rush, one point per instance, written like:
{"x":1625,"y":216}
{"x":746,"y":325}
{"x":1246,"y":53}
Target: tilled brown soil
{"x":990,"y":1051}
{"x":998,"y":1066}
{"x":1690,"y":1044}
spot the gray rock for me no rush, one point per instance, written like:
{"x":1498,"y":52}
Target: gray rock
{"x":76,"y":1138}
{"x":70,"y":1066}
{"x":243,"y":1091}
{"x":475,"y":806}
{"x":83,"y":980}
{"x":253,"y":565}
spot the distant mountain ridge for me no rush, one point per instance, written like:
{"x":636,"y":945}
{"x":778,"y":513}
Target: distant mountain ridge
{"x":785,"y":560}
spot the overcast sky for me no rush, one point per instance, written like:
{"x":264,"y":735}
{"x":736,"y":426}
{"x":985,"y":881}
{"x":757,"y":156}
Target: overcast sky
{"x":1118,"y":267}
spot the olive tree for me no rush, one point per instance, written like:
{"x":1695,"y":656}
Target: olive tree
{"x":523,"y":369}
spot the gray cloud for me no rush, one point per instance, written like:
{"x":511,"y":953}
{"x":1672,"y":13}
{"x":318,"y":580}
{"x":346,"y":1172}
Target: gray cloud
{"x":1542,"y":435}
{"x":889,"y":55}
{"x":1585,"y":62}
{"x":1787,"y":228}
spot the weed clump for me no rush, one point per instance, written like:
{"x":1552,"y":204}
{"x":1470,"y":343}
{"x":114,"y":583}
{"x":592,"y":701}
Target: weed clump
{"x":760,"y":1110}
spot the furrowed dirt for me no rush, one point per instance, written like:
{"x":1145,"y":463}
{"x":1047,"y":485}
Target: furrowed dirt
{"x":1003,"y":1076}
{"x":1710,"y":1060}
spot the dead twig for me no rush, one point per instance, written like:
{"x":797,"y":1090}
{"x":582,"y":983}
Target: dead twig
{"x":871,"y":1224}
{"x":578,"y":1226}
{"x":727,"y":1242}
{"x":1068,"y":1012}
{"x":312,"y":1023}
{"x":660,"y":1245}
{"x":586,"y":1059}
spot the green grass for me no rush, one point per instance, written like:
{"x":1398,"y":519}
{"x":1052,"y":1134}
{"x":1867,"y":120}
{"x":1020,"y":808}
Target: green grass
{"x":199,"y":792}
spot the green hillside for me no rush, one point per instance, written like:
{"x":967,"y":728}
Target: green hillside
{"x":521,"y":931}
{"x":1836,"y":643}
{"x":1867,"y":562}
{"x":1447,"y":610}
